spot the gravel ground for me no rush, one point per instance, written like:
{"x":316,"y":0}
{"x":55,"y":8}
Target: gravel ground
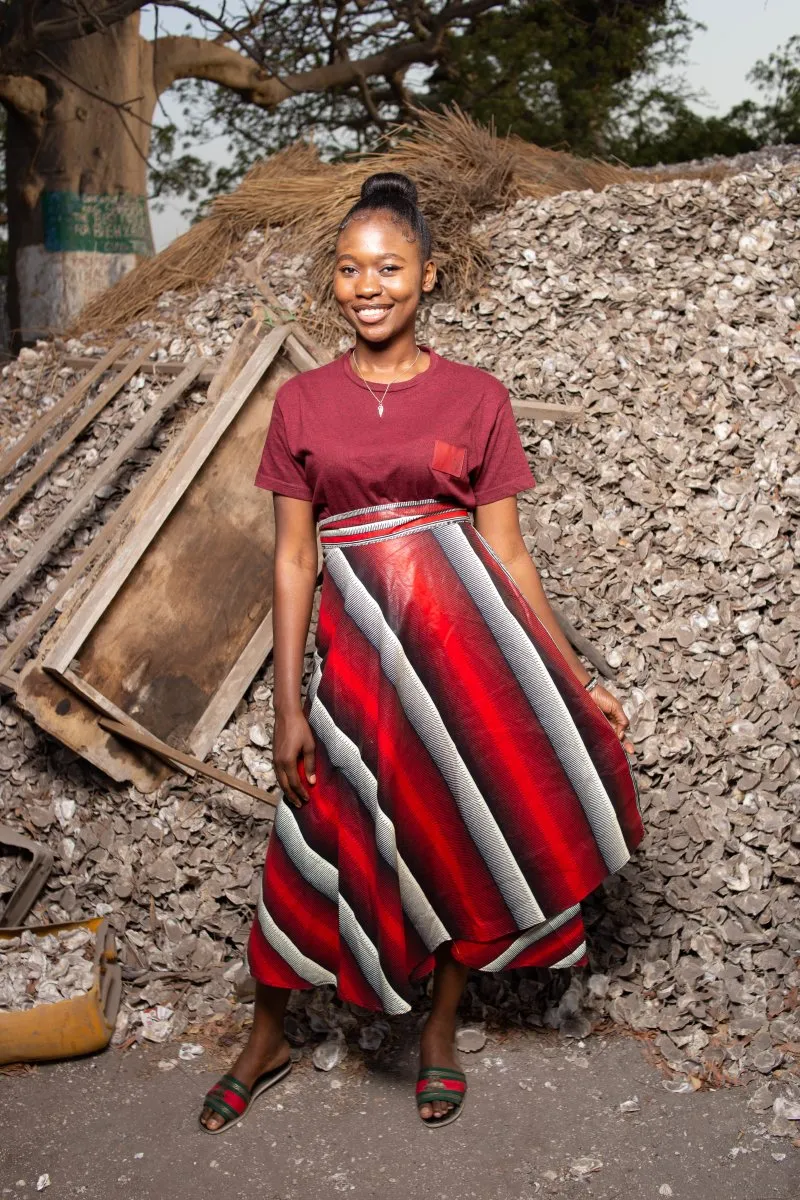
{"x":543,"y":1119}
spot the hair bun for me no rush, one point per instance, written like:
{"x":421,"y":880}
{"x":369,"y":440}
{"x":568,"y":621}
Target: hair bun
{"x":391,"y":183}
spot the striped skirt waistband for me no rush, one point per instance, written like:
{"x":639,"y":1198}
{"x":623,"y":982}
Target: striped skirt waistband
{"x":388,"y":520}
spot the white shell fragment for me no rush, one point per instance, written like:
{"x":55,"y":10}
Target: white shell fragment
{"x":44,"y":970}
{"x":470,"y":1038}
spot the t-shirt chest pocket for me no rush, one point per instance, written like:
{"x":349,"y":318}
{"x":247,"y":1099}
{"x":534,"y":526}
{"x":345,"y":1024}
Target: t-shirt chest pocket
{"x":450,"y":458}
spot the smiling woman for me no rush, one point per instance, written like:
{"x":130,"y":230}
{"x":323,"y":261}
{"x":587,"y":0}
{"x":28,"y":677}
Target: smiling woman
{"x":381,"y":271}
{"x":451,"y":790}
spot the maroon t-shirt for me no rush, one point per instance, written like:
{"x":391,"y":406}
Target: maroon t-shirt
{"x":448,"y":433}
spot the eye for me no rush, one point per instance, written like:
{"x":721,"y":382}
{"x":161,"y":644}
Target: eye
{"x":391,"y":267}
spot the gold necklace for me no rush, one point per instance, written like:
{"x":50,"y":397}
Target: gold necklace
{"x":389,"y":384}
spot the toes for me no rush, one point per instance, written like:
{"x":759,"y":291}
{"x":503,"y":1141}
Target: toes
{"x":435,"y":1110}
{"x":211,"y":1119}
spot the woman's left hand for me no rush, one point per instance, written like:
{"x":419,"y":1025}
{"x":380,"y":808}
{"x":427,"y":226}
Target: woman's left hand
{"x":611,"y":707}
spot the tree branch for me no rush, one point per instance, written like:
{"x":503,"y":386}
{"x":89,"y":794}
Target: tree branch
{"x":369,"y":103}
{"x":195,"y":58}
{"x":24,"y":27}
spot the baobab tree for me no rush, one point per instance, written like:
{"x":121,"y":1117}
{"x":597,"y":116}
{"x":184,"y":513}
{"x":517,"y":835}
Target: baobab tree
{"x":80,"y":86}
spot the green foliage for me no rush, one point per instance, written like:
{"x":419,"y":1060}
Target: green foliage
{"x":778,"y":119}
{"x":559,"y":74}
{"x":664,"y":129}
{"x":590,"y":76}
{"x":596,"y":77}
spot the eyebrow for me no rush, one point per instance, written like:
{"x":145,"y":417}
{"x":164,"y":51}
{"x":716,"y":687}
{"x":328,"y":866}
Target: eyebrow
{"x":388,"y":254}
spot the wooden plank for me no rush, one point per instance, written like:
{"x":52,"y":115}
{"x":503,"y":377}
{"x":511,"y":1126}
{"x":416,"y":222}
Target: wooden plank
{"x":61,"y":712}
{"x":104,"y":472}
{"x":232,"y":689}
{"x":186,"y":629}
{"x":102,"y":538}
{"x":54,"y":705}
{"x":9,"y":681}
{"x":546,"y":412}
{"x":227,"y":371}
{"x":237,"y":681}
{"x":124,"y":730}
{"x":168,"y":496}
{"x":51,"y":417}
{"x":96,"y":699}
{"x":319,"y":354}
{"x":77,"y":427}
{"x":160,"y":369}
{"x":174,"y":632}
{"x":299,"y":355}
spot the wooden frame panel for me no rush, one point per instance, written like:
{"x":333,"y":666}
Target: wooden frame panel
{"x":170,"y":581}
{"x":37,"y":431}
{"x":106,"y":471}
{"x":32,"y":477}
{"x":163,"y":503}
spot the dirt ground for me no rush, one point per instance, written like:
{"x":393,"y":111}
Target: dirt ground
{"x":542,"y":1119}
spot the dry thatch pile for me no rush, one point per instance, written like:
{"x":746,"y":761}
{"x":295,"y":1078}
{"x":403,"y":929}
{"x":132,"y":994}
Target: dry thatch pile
{"x":462,"y":170}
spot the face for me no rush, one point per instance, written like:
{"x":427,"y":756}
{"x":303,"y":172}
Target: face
{"x":378,"y":276}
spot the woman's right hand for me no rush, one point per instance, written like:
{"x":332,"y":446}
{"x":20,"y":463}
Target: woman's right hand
{"x":293,"y":739}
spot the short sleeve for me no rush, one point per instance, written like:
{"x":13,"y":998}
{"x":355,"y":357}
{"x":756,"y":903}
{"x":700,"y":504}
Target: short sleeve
{"x":281,"y":468}
{"x":504,"y":468}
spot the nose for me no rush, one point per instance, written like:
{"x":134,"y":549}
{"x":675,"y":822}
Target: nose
{"x":369,"y":284}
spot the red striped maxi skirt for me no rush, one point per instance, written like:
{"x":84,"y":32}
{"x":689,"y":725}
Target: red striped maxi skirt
{"x":468,"y":789}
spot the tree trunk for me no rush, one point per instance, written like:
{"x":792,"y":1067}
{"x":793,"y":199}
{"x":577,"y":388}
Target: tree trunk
{"x":77,"y":174}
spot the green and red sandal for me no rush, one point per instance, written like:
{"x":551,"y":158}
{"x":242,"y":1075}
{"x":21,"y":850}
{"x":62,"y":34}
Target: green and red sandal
{"x":441,"y":1083}
{"x":232,"y":1099}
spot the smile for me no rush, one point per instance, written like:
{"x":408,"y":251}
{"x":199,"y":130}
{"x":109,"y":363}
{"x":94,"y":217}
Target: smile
{"x":371,"y":315}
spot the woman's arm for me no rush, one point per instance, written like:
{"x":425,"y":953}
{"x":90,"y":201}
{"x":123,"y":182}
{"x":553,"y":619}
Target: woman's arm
{"x":293,"y":598}
{"x":499,"y":524}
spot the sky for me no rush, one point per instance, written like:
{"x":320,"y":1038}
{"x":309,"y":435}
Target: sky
{"x":738,"y":33}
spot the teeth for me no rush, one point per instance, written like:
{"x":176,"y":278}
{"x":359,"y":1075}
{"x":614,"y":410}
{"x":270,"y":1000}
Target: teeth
{"x":370,"y":312}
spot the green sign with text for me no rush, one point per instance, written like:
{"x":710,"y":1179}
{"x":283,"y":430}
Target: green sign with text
{"x":106,"y":224}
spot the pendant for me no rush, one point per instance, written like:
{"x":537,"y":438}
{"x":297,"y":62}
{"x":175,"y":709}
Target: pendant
{"x":380,"y":410}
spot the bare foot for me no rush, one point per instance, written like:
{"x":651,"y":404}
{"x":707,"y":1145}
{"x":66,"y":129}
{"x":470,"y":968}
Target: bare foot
{"x":258,"y":1056}
{"x":437,"y":1048}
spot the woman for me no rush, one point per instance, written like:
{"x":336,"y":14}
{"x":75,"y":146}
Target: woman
{"x":454,"y":783}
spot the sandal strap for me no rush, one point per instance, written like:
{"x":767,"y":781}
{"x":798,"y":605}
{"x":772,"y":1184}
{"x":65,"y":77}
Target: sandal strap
{"x":232,"y":1084}
{"x":231,"y":1097}
{"x":219,"y":1106}
{"x":441,"y":1073}
{"x":456,"y":1086}
{"x":441,"y":1083}
{"x":430,"y":1094}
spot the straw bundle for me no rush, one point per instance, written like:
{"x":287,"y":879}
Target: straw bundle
{"x":462,"y":172}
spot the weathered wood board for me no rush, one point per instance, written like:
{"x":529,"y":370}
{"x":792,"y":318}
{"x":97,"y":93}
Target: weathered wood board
{"x":173,"y":630}
{"x":58,"y":710}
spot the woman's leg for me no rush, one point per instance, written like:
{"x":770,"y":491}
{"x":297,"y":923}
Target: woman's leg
{"x":266,"y":1047}
{"x":437,"y":1046}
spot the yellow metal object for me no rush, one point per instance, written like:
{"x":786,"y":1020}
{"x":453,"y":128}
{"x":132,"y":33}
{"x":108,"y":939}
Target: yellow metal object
{"x":67,"y":1028}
